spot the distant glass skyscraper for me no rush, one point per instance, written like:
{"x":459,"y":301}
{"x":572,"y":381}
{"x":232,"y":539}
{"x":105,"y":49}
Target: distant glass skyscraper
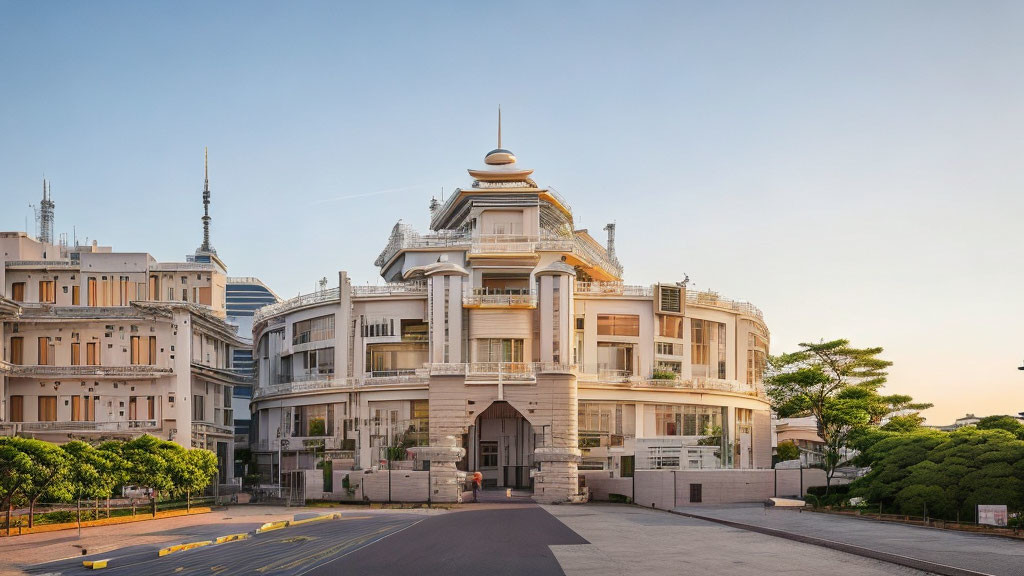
{"x":244,"y":296}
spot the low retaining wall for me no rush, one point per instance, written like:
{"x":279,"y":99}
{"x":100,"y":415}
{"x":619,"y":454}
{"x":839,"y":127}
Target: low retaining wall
{"x":667,"y":489}
{"x":140,"y":517}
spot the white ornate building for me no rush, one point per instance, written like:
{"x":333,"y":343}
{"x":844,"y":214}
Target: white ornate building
{"x":505,"y":342}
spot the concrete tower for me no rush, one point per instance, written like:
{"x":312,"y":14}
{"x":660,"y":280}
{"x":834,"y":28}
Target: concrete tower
{"x":206,"y":247}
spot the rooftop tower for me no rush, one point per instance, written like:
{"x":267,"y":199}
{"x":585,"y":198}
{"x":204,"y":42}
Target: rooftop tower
{"x":46,"y":207}
{"x":206,"y":248}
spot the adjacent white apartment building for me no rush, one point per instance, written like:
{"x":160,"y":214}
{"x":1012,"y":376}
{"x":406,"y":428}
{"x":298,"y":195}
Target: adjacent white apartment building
{"x":100,"y":344}
{"x":504,"y":341}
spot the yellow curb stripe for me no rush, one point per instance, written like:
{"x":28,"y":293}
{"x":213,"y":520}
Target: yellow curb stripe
{"x":231,"y":538}
{"x":95,"y":564}
{"x":315,"y":519}
{"x":183,"y":547}
{"x":272,"y":526}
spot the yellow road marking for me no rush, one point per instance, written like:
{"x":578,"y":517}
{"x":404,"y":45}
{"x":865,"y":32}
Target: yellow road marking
{"x":95,"y":564}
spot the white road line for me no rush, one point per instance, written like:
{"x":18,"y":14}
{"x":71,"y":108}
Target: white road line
{"x":324,"y":563}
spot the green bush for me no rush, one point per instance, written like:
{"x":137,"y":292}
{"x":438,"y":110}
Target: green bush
{"x":619,"y":499}
{"x":664,"y":375}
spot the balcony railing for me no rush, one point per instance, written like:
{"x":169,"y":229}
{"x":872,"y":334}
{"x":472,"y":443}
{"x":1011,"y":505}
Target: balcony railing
{"x":526,"y":300}
{"x":596,"y":256}
{"x":143,"y":371}
{"x":712,"y":300}
{"x":408,"y":376}
{"x":176,"y":266}
{"x":42,"y":263}
{"x":308,"y":383}
{"x":297,"y":302}
{"x":210,"y":428}
{"x":404,"y":237}
{"x":78,"y":426}
{"x":612,"y":289}
{"x":503,"y":243}
{"x":392,"y":288}
{"x":734,"y":386}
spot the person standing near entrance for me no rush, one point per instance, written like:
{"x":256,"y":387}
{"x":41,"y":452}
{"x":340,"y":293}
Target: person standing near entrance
{"x":477,"y":480}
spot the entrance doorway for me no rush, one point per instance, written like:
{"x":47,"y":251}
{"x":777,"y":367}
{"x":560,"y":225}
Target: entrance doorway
{"x":501,"y":443}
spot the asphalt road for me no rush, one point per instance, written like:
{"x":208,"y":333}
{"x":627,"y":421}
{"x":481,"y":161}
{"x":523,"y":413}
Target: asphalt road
{"x":496,"y":540}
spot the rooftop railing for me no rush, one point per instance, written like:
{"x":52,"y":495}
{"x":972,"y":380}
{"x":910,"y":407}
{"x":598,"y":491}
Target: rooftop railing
{"x":119,"y":426}
{"x":500,"y":300}
{"x":612,"y":289}
{"x":405,"y":237}
{"x":176,"y":266}
{"x":298,"y":302}
{"x":389,"y":289}
{"x":42,"y":263}
{"x":713,"y":300}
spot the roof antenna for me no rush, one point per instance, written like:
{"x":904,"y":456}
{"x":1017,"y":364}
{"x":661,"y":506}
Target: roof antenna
{"x":499,"y":125}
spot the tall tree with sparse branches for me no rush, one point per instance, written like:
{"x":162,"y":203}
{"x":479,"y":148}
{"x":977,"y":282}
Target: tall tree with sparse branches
{"x":838,"y":385}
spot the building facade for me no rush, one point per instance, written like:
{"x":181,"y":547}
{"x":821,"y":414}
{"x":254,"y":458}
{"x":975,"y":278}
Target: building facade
{"x":506,"y":342}
{"x":100,"y":344}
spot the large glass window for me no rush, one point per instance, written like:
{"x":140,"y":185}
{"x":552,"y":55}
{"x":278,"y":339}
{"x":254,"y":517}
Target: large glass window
{"x":600,"y":424}
{"x":406,"y":356}
{"x":618,"y":325}
{"x":757,"y":355}
{"x":499,"y":350}
{"x":313,"y":330}
{"x":320,"y":361}
{"x":687,"y":420}
{"x":615,"y":356}
{"x":670,"y":326}
{"x":708,"y":348}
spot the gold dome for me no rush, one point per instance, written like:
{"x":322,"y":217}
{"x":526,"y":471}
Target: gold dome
{"x":499,"y":156}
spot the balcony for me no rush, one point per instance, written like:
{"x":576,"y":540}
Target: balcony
{"x":180,"y":266}
{"x":482,"y":299}
{"x":404,"y":237}
{"x":41,"y":264}
{"x":405,"y":376}
{"x":293,"y":443}
{"x":390,"y":289}
{"x":612,"y":289}
{"x":119,"y":372}
{"x":503,"y":244}
{"x":301,"y":384}
{"x":711,"y":299}
{"x":301,"y":301}
{"x":734,"y":386}
{"x":127,"y":426}
{"x":211,"y":429}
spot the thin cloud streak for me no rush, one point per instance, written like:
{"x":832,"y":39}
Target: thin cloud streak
{"x":365,"y":194}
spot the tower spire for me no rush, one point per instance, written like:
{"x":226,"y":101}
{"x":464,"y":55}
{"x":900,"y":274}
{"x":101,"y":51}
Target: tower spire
{"x":206,"y":247}
{"x":499,"y":125}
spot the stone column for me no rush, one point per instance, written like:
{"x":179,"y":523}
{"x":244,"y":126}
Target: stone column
{"x":558,"y":455}
{"x":446,"y":482}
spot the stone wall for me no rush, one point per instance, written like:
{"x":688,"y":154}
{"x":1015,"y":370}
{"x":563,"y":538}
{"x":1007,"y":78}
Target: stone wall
{"x":667,"y":489}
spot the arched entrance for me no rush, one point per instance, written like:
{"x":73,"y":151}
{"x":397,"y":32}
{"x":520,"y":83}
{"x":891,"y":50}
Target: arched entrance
{"x":501,"y":445}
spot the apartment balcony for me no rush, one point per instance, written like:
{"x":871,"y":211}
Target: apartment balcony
{"x":388,"y":377}
{"x":133,"y":372}
{"x":506,"y":372}
{"x":300,"y":443}
{"x":480,"y":299}
{"x":404,"y":237}
{"x":417,"y":288}
{"x":701,"y":384}
{"x":31,"y":264}
{"x":503,"y":244}
{"x":302,"y":384}
{"x":211,"y":429}
{"x":123,"y":426}
{"x":612,"y":289}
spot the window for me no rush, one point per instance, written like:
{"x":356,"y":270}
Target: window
{"x":708,"y":348}
{"x":152,"y":350}
{"x":313,"y":330}
{"x":18,"y":291}
{"x":17,"y":408}
{"x":687,"y":420}
{"x":600,"y":424}
{"x":47,"y":292}
{"x":319,"y":361}
{"x":47,"y":409}
{"x":579,"y":322}
{"x":76,"y":354}
{"x":17,"y":346}
{"x":198,"y":408}
{"x":618,"y":325}
{"x":695,"y":493}
{"x":90,"y":289}
{"x":670,"y":326}
{"x":757,"y":355}
{"x":45,"y":357}
{"x":415,"y":331}
{"x":389,"y":357}
{"x":135,"y":350}
{"x":615,"y":356}
{"x":92,"y":353}
{"x":676,"y":367}
{"x":83,"y":409}
{"x":670,"y":301}
{"x":488,"y":454}
{"x":75,"y":295}
{"x":499,"y":350}
{"x":665,"y":348}
{"x":184,"y":294}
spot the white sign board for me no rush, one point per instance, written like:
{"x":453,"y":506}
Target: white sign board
{"x":992,"y":514}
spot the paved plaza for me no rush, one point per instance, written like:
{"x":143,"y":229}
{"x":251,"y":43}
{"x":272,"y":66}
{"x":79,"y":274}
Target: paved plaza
{"x":986,"y":554}
{"x":502,"y":537}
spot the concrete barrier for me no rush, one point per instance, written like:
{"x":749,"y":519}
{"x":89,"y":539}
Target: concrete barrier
{"x":184,"y":547}
{"x":231,"y":538}
{"x":95,"y":564}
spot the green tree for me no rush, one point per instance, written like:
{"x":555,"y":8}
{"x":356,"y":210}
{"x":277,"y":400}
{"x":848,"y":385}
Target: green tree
{"x":1008,"y":423}
{"x":191,"y":471}
{"x":787,"y":450}
{"x":15,"y":475}
{"x":49,"y":473}
{"x":838,"y":385}
{"x":146,"y":461}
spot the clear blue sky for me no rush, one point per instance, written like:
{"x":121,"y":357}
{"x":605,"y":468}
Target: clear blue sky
{"x":852,"y":168}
